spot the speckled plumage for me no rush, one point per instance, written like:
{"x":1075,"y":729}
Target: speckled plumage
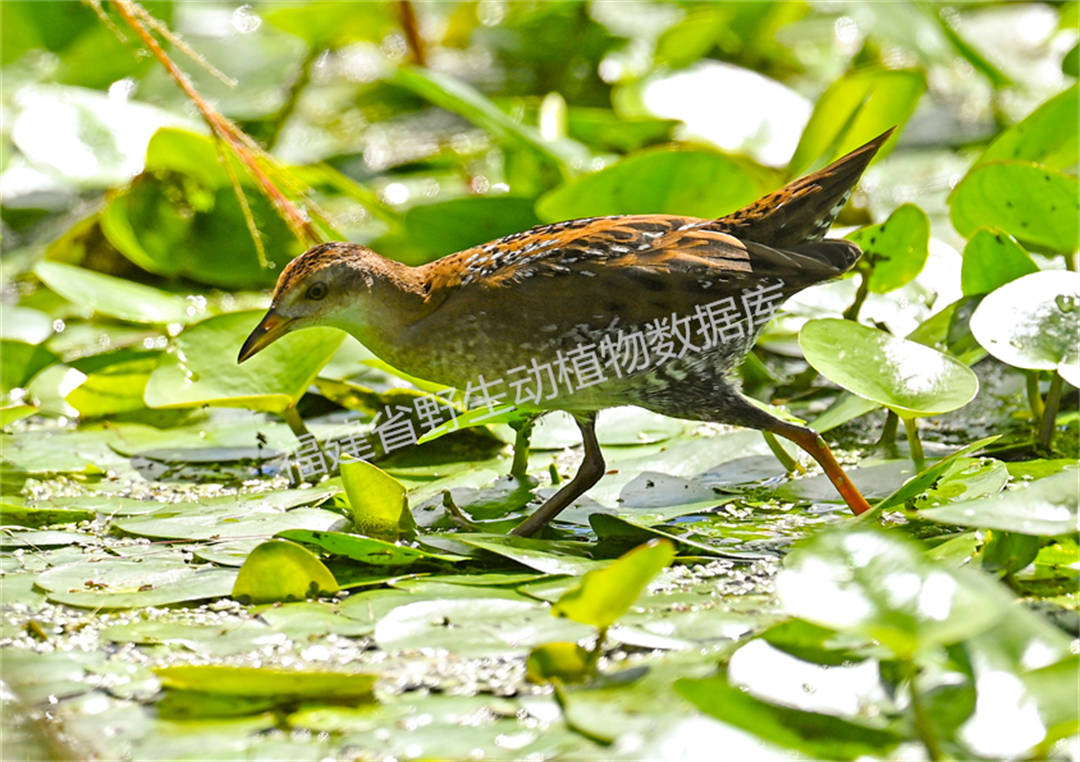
{"x":537,"y":297}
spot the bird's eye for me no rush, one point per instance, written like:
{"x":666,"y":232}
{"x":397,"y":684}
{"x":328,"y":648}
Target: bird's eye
{"x":316,"y":291}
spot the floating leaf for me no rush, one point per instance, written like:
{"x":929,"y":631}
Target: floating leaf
{"x":993,"y":258}
{"x":565,"y":661}
{"x":20,"y":362}
{"x":820,"y":736}
{"x":116,"y":297}
{"x":854,"y":109}
{"x":123,"y":584}
{"x":367,"y":550}
{"x":1036,"y":205}
{"x":896,"y":250}
{"x":1045,"y":507}
{"x":542,"y":555}
{"x":912,"y":379}
{"x":1034,"y":323}
{"x":697,"y":182}
{"x":474,"y":626}
{"x":281,"y":684}
{"x":201,"y":369}
{"x":378,"y":504}
{"x":279,"y":570}
{"x":882,"y":587}
{"x":115,"y":382}
{"x":1046,"y":136}
{"x":606,"y":594}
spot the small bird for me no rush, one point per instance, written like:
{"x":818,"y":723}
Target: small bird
{"x":652,"y":310}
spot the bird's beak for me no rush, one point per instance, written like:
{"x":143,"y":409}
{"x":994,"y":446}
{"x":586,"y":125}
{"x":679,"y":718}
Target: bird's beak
{"x":271,"y":328}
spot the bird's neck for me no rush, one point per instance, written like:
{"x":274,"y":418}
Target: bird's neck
{"x":390,"y":298}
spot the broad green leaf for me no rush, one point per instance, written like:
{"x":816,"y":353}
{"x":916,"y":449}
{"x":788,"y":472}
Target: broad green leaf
{"x":114,"y":383}
{"x":333,"y":25}
{"x":1034,"y":323}
{"x":12,"y":413}
{"x":912,"y":379}
{"x":462,"y":99}
{"x":896,"y":250}
{"x":820,"y":736}
{"x":1046,"y":136}
{"x":543,"y":555}
{"x":1045,"y":507}
{"x":378,"y":504}
{"x":33,"y":516}
{"x":606,"y":594}
{"x":267,"y":681}
{"x":201,"y":368}
{"x":367,"y":550}
{"x":603,"y":129}
{"x":116,"y":297}
{"x":854,"y":109}
{"x":104,"y":139}
{"x":24,"y":324}
{"x":473,"y":626}
{"x":20,"y":362}
{"x":965,"y":479}
{"x":1008,"y":552}
{"x":993,"y":258}
{"x":564,"y":661}
{"x":448,"y":226}
{"x":881,"y":586}
{"x":279,"y":570}
{"x":1036,"y":205}
{"x":694,"y":182}
{"x":124,"y":584}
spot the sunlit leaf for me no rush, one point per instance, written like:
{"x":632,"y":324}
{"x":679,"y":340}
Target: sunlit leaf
{"x":910,"y":378}
{"x":201,"y":369}
{"x":367,"y":550}
{"x":820,"y":736}
{"x":1046,"y":136}
{"x":993,"y":258}
{"x":1036,"y":205}
{"x":568,"y":662}
{"x":896,"y":250}
{"x":1045,"y":507}
{"x":606,"y":594}
{"x":378,"y":504}
{"x":448,"y":226}
{"x":693,"y":182}
{"x":855,"y":108}
{"x":116,"y":297}
{"x":267,"y":681}
{"x":1034,"y":322}
{"x":279,"y":570}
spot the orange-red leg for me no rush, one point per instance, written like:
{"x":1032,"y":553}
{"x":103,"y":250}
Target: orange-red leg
{"x":812,"y":442}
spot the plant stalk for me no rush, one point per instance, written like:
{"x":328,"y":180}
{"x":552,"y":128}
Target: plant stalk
{"x":411,"y":28}
{"x":852,"y":312}
{"x":1049,"y":418}
{"x":1035,"y":400}
{"x":887,"y":441}
{"x":519,"y":468}
{"x":922,"y":720}
{"x":789,"y":463}
{"x":594,"y":654}
{"x":917,"y":456}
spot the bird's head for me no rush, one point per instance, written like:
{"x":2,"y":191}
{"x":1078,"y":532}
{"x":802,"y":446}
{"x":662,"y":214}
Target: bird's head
{"x":320,"y":287}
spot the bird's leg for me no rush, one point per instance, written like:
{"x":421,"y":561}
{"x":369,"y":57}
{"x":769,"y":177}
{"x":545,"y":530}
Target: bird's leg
{"x":812,"y":442}
{"x":588,"y":474}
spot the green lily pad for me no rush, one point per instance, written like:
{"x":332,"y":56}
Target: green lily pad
{"x":606,"y":594}
{"x":854,"y":109}
{"x":883,"y":587}
{"x":912,"y":379}
{"x":542,"y":555}
{"x":1034,"y":323}
{"x":367,"y":550}
{"x":20,"y":362}
{"x":114,"y":384}
{"x":117,"y":297}
{"x":266,"y":681}
{"x":378,"y":503}
{"x":896,"y":250}
{"x":474,"y":626}
{"x":1046,"y":136}
{"x":565,"y":661}
{"x":123,"y":584}
{"x":279,"y":570}
{"x":820,"y":736}
{"x":695,"y":182}
{"x":1036,"y":205}
{"x":993,"y":258}
{"x":1046,"y":507}
{"x":200,"y":369}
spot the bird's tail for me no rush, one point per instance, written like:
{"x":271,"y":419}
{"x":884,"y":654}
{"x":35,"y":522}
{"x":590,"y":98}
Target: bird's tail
{"x":804,"y":209}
